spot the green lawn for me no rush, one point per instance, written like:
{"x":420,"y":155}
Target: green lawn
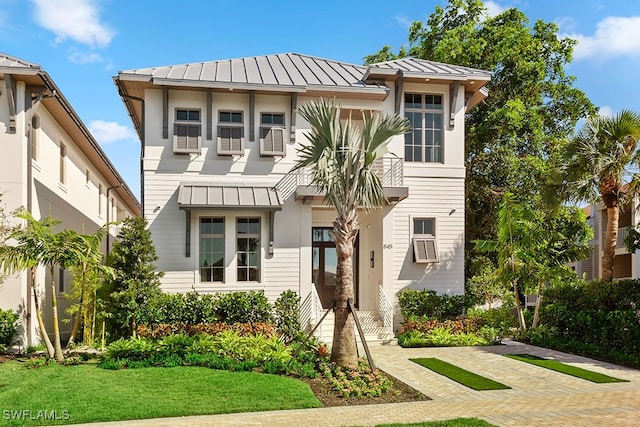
{"x":565,"y":369}
{"x":85,"y":393}
{"x":460,"y":375}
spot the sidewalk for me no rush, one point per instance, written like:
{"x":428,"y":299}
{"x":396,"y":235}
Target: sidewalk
{"x":538,"y":396}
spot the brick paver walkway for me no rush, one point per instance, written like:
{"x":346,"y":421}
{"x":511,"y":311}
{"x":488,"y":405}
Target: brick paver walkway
{"x":538,"y":396}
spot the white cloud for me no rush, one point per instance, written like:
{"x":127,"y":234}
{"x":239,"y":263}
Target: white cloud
{"x":404,"y":20}
{"x":606,"y":111}
{"x":493,"y":8}
{"x":615,"y":36}
{"x":77,"y":20}
{"x":81,"y":58}
{"x":110,"y":132}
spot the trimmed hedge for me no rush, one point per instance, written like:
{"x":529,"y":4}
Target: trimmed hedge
{"x":155,"y":331}
{"x":427,"y":303}
{"x":8,"y":328}
{"x":597,"y":313}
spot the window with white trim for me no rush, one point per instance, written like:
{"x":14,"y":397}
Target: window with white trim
{"x":425,"y":141}
{"x":212,"y":250}
{"x":248,"y":249}
{"x":425,"y":249}
{"x":187,"y":131}
{"x":272,"y":134}
{"x":230,"y":133}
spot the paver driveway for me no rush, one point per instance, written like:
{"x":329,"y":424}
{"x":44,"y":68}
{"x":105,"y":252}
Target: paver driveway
{"x":538,"y":396}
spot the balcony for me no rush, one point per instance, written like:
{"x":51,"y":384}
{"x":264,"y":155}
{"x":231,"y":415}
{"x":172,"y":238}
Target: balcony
{"x":389,"y":170}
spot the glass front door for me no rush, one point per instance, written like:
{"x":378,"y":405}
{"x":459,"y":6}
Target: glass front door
{"x":325,"y":265}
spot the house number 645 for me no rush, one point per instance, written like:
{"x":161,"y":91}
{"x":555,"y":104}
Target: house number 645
{"x":387,"y":246}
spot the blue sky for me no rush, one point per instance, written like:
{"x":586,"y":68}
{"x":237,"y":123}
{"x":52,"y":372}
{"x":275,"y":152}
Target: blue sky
{"x":83,"y":43}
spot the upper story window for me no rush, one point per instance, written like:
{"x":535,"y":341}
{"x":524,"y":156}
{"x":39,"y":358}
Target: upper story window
{"x":63,"y":163}
{"x":425,"y":249}
{"x":230,"y":133}
{"x":425,"y":142}
{"x":187,"y":131}
{"x":272,"y":134}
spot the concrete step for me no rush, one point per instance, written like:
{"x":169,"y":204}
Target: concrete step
{"x":372,"y":326}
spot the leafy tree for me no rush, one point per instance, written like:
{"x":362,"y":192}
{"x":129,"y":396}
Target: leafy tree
{"x":532,"y":103}
{"x":340,"y":156}
{"x":534,"y":247}
{"x":598,"y":165}
{"x":135,"y":281}
{"x":38,"y":244}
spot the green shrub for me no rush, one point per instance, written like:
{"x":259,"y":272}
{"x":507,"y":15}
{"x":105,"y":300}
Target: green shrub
{"x":243,"y":307}
{"x":8,"y":328}
{"x":500,"y":319}
{"x":38,"y":362}
{"x":156,"y":331}
{"x":132,"y":349}
{"x":357,"y":381}
{"x":412,"y":338}
{"x":603,"y":314}
{"x":287,"y":308}
{"x":427,"y":303}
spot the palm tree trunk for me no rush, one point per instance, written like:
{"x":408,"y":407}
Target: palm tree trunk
{"x":36,"y":304}
{"x":536,"y":312}
{"x":519,"y":309}
{"x":56,"y":326}
{"x":79,"y":315}
{"x":343,"y":349}
{"x":610,"y":241}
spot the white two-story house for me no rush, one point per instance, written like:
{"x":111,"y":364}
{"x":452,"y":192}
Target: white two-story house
{"x":51,"y":165}
{"x":226,"y":213}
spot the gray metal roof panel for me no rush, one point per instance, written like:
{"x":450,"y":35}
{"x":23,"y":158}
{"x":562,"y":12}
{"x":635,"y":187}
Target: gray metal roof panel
{"x":8,"y":61}
{"x":208,"y":195}
{"x":414,"y":65}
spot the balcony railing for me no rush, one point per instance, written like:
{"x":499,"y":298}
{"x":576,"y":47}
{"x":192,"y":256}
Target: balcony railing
{"x":622,"y":234}
{"x":389,"y":170}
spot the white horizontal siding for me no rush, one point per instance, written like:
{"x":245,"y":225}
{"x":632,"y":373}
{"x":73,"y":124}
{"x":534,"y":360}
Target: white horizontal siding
{"x":431,"y":198}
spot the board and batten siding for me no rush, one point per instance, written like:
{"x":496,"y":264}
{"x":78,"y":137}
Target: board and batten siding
{"x":431,"y":198}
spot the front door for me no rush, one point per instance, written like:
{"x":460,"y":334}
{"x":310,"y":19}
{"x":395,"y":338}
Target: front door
{"x":325,"y":265}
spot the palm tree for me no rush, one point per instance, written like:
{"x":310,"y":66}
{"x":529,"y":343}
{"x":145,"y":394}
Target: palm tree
{"x":89,"y":259}
{"x":597,"y":165}
{"x":340,"y":156}
{"x":39,"y":245}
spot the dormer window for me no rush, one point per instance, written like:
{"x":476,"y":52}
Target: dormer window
{"x":230,"y":133}
{"x":187,"y":132}
{"x":425,"y":141}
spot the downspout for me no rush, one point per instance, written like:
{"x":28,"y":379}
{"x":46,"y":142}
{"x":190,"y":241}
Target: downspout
{"x":108,"y":219}
{"x":142,"y":140}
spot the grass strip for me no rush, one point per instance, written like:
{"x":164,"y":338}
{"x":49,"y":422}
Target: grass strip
{"x":85,"y":393}
{"x":459,"y":375}
{"x":574,"y":371}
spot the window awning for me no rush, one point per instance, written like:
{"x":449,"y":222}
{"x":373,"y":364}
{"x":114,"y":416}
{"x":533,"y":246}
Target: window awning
{"x":209,"y":196}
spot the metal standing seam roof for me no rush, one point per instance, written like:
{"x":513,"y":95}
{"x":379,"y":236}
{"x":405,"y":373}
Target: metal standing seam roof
{"x":285,"y":69}
{"x":8,"y":61}
{"x":199,"y":195}
{"x":437,"y":69}
{"x":296,"y":70}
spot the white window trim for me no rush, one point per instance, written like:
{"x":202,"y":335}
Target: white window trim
{"x":188,"y":123}
{"x":224,"y":238}
{"x":273,"y":127}
{"x":445,"y":108}
{"x":260,"y":265}
{"x":222,"y":125}
{"x":424,"y":239}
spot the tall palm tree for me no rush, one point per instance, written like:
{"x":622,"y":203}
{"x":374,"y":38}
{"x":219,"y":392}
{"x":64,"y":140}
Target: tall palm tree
{"x":39,"y":245}
{"x":597,"y":165}
{"x":340,"y":156}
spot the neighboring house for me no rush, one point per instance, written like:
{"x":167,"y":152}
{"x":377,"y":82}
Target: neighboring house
{"x":51,"y":165}
{"x":226,"y":213}
{"x":625,"y":264}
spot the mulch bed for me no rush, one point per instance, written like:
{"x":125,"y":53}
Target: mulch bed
{"x":400,"y":393}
